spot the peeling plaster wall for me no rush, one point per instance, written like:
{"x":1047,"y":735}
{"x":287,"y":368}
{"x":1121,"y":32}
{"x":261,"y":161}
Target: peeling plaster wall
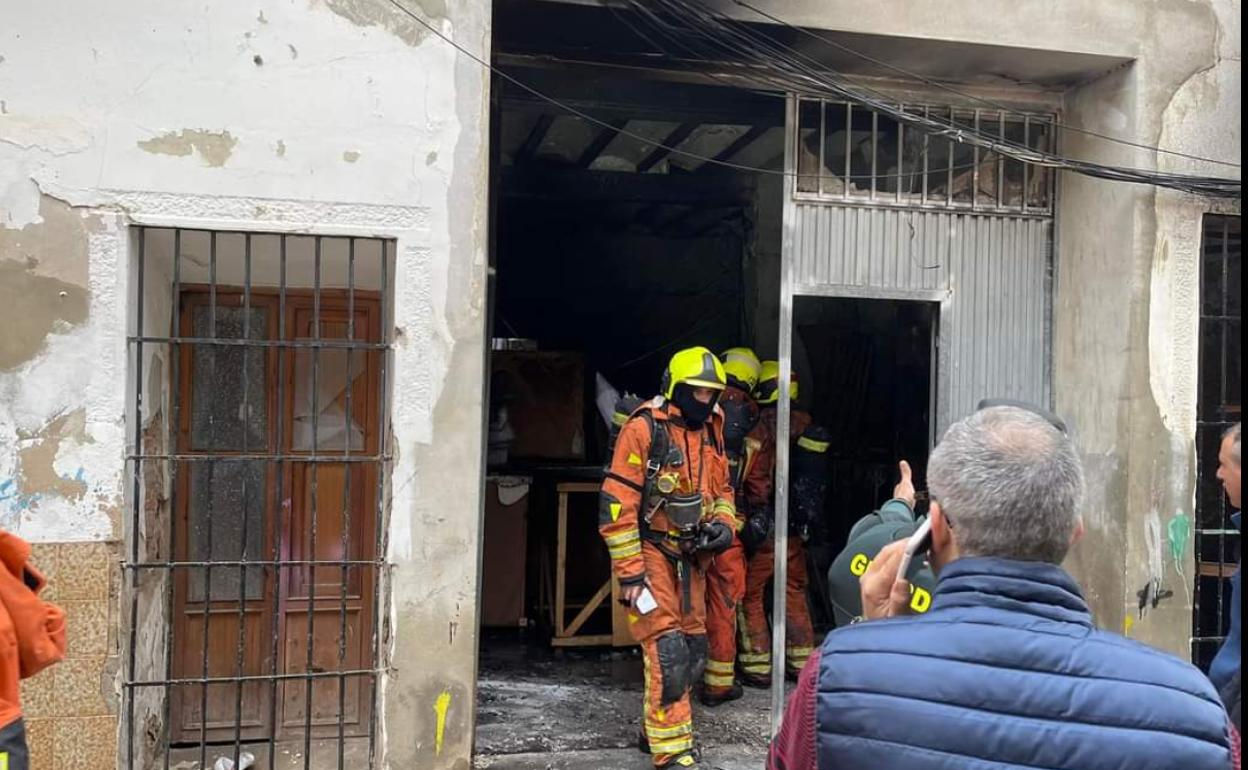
{"x":1126,"y":300}
{"x":337,"y":117}
{"x":1127,"y":314}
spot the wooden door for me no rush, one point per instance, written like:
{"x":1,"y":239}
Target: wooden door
{"x":327,"y":611}
{"x":223,"y":613}
{"x":287,"y":618}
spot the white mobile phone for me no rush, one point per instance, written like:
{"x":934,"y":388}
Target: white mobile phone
{"x":919,"y":542}
{"x":646,"y":603}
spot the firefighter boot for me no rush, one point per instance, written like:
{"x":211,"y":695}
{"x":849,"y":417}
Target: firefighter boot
{"x":687,"y":761}
{"x":711,"y":699}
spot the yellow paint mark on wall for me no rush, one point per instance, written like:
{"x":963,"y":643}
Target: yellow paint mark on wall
{"x":440,"y":707}
{"x":1127,"y":625}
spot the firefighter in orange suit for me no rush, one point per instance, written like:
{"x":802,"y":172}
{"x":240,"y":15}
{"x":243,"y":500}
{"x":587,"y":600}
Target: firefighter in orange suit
{"x":725,"y":579}
{"x":666,"y":509}
{"x":754,"y":653}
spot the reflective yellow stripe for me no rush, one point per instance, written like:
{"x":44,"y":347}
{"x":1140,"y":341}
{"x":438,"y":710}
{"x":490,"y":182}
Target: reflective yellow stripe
{"x":800,"y":652}
{"x":634,"y":459}
{"x":619,"y":418}
{"x":763,"y":669}
{"x":723,"y":506}
{"x":755,"y":657}
{"x":625,"y":551}
{"x":623,"y":538}
{"x":719,"y":666}
{"x":718,"y":680}
{"x":663,"y":733}
{"x":674,"y":746}
{"x":812,"y":445}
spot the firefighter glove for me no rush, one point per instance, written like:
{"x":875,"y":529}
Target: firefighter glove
{"x":757,"y":529}
{"x":715,"y":537}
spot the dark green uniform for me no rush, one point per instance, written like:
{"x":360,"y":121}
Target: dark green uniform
{"x":893,"y":521}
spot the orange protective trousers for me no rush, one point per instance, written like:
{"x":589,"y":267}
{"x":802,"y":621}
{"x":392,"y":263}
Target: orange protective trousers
{"x":673,"y":650}
{"x":725,"y":588}
{"x":755,"y":653}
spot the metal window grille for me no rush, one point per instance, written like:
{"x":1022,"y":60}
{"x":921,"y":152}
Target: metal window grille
{"x":259,"y":383}
{"x":1218,"y":407}
{"x":857,"y":156}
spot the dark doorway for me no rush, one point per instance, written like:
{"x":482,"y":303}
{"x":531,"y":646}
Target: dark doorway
{"x":866,"y":372}
{"x":616,"y":243}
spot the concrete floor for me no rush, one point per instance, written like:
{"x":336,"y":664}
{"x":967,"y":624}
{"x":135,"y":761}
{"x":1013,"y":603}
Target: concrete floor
{"x":537,"y":710}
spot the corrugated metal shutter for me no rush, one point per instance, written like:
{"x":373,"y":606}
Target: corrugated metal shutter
{"x":990,"y":273}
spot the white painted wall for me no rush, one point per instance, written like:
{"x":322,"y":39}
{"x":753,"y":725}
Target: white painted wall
{"x":269,"y":116}
{"x":337,"y":117}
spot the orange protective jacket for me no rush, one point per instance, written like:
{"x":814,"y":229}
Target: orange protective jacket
{"x":32,"y":631}
{"x":760,"y":466}
{"x":704,"y":466}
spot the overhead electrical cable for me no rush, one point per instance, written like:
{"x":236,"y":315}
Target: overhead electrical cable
{"x":826,"y":40}
{"x":792,"y":71}
{"x":807,"y":77}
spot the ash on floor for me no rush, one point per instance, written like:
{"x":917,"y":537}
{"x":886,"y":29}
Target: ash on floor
{"x":581,"y":710}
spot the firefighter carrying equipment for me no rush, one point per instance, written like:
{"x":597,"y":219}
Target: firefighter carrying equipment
{"x":768,"y":391}
{"x":742,"y":367}
{"x":754,"y":650}
{"x":761,"y":465}
{"x":643,"y":543}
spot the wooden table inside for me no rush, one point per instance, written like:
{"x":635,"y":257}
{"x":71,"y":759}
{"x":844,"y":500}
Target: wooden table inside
{"x":566,"y":634}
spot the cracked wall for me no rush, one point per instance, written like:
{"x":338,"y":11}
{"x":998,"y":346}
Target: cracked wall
{"x":1127,"y":343}
{"x":345,"y":117}
{"x":340,"y":117}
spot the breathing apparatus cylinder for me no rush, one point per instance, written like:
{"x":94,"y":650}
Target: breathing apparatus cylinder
{"x":625,"y":405}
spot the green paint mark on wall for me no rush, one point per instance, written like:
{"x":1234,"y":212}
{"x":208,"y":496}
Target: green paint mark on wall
{"x":1179,"y":532}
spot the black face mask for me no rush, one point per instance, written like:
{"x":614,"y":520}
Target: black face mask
{"x":692,"y":411}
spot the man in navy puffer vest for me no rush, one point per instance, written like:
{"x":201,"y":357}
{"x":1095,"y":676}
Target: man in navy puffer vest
{"x":1006,"y":669}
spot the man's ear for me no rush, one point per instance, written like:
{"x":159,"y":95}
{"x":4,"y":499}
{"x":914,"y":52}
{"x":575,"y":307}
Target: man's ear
{"x":942,"y":533}
{"x":1080,"y":531}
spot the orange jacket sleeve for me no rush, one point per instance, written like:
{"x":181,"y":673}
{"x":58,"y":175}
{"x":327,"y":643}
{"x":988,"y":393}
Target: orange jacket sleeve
{"x":619,"y":505}
{"x":38,"y":625}
{"x":761,"y":468}
{"x":725,"y":503}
